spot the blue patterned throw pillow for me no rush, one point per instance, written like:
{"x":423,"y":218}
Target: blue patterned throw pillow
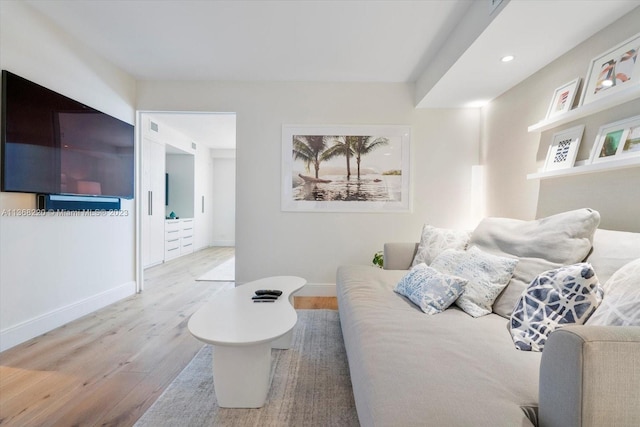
{"x":487,"y":275}
{"x":429,"y":289}
{"x":566,"y":295}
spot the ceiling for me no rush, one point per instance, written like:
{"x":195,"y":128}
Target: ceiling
{"x":215,"y":130}
{"x":336,"y":41}
{"x":261,"y":40}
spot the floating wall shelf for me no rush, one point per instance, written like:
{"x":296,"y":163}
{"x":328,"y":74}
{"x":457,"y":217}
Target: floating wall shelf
{"x":602,"y":104}
{"x":624,"y":163}
{"x":594,"y":107}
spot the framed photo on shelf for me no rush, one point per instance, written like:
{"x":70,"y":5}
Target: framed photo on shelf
{"x":563,"y":98}
{"x":616,"y":140}
{"x":564,"y":148}
{"x":345,"y":168}
{"x":613,"y":71}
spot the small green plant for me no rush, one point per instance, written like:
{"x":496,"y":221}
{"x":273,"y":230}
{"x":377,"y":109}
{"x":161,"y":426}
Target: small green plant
{"x":378,"y":259}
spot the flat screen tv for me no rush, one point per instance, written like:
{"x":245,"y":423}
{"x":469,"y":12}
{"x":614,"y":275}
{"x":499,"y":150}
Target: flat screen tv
{"x":52,"y":144}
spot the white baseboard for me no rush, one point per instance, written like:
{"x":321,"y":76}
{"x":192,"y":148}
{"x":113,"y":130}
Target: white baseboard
{"x":227,"y":243}
{"x":317,"y":290}
{"x":31,"y":328}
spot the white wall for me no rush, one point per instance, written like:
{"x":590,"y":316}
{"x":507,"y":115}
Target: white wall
{"x":224,"y":205}
{"x":312,"y":245}
{"x":510,"y":153}
{"x":54,"y":269}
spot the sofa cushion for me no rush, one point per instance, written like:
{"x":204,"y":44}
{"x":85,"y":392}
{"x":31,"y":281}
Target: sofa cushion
{"x":434,"y":240}
{"x":621,"y":303}
{"x":487,"y":275}
{"x":540,"y":245}
{"x":429,"y":289}
{"x":566,"y":295}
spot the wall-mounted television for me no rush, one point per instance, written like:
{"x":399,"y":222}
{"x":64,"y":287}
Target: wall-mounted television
{"x":52,"y":144}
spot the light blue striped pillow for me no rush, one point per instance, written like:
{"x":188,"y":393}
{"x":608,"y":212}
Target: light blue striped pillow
{"x":429,"y":289}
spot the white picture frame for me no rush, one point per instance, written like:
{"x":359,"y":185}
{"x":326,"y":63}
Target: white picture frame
{"x":564,"y":148}
{"x":383,"y":181}
{"x":613,"y":71}
{"x":616,"y":140}
{"x":563,"y":98}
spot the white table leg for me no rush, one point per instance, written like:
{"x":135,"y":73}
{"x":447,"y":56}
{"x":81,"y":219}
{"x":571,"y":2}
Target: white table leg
{"x":284,"y":342}
{"x":241,"y":375}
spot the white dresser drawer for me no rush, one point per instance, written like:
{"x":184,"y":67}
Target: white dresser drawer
{"x":171,"y":225}
{"x":172,"y":234}
{"x":172,"y":243}
{"x":187,"y":248}
{"x":188,"y":240}
{"x":172,"y":249}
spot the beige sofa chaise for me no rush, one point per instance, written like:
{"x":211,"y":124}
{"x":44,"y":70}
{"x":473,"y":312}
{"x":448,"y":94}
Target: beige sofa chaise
{"x":451,"y":369}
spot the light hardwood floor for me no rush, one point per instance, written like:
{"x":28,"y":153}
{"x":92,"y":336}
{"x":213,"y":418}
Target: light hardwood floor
{"x":108,"y":367}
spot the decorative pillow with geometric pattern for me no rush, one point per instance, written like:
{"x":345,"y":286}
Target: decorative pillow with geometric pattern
{"x":566,"y":295}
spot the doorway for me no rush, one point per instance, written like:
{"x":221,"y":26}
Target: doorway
{"x":186,"y":185}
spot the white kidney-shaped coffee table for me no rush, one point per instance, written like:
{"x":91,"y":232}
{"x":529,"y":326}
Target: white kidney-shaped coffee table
{"x":242,"y":334}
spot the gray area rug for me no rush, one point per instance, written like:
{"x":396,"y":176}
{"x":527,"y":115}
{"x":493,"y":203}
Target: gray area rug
{"x":310,"y":385}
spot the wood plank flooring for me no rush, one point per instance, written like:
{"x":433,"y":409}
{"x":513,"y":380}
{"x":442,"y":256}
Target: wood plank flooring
{"x":108,"y":367}
{"x":315,"y":303}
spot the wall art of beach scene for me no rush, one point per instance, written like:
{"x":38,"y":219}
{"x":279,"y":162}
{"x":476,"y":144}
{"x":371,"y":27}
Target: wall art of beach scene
{"x":353,"y":168}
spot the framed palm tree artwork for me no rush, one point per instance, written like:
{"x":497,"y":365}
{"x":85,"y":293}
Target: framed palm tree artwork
{"x":345,"y":168}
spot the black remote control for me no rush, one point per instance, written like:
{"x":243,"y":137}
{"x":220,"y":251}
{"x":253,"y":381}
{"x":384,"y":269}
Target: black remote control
{"x":269,"y":292}
{"x":266,"y":296}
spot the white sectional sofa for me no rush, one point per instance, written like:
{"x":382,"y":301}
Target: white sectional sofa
{"x":450,"y":369}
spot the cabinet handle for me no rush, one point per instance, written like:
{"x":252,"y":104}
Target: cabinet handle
{"x":202,"y":204}
{"x":150,"y":207}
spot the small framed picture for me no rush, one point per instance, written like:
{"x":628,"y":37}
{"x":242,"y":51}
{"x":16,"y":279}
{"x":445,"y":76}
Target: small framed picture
{"x":563,"y":98}
{"x":564,"y":148}
{"x":616,"y":140}
{"x":613,"y":71}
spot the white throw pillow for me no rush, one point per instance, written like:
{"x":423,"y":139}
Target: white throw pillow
{"x":429,"y":289}
{"x":487,"y":274}
{"x":621,"y":303}
{"x":565,"y":295}
{"x":540,"y":245}
{"x":435,"y":240}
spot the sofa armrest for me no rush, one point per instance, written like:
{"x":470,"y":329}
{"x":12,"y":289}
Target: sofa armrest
{"x":590,"y":376}
{"x":399,"y":256}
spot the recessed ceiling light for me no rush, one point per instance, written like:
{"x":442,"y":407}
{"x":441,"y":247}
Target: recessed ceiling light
{"x":507,"y":58}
